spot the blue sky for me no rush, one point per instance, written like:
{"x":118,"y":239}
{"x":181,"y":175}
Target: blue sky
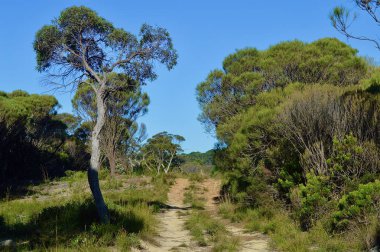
{"x":204,"y":32}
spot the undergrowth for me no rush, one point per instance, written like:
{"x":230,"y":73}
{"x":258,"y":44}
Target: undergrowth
{"x":285,"y":233}
{"x":69,"y":221}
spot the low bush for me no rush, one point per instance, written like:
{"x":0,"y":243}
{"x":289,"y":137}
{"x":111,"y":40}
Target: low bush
{"x":311,"y":201}
{"x":285,"y":233}
{"x":357,"y":206}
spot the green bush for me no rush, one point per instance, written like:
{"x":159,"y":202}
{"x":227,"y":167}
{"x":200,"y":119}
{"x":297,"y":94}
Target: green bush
{"x":357,"y":205}
{"x":287,"y":180}
{"x":345,"y":161}
{"x":311,"y":200}
{"x":251,"y":188}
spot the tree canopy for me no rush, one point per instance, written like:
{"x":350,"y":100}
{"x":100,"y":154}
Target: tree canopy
{"x":249,"y":72}
{"x":86,"y":45}
{"x":32,"y":136}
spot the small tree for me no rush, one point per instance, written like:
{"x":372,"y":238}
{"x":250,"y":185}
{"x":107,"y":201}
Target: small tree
{"x":80,"y":46}
{"x":160,"y":151}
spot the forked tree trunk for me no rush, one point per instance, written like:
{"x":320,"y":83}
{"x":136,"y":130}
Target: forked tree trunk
{"x":169,"y":164}
{"x":93,"y":171}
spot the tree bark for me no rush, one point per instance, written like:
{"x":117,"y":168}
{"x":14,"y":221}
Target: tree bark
{"x":112,"y":161}
{"x":93,"y":171}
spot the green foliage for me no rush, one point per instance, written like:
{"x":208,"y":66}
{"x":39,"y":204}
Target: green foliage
{"x":80,"y":46}
{"x":287,"y":180}
{"x":69,"y":220}
{"x":198,"y":157}
{"x":62,"y":44}
{"x":255,"y":150}
{"x":284,"y":232}
{"x":32,"y":138}
{"x":251,"y":188}
{"x":345,"y":161}
{"x":160,"y":152}
{"x":74,"y":176}
{"x":357,"y":205}
{"x":372,"y":84}
{"x":20,"y":104}
{"x":127,"y":101}
{"x":121,"y":136}
{"x":249,"y":72}
{"x":298,"y":123}
{"x":312,"y":200}
{"x":196,"y":163}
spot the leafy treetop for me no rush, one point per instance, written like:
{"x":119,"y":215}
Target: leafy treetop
{"x":80,"y":44}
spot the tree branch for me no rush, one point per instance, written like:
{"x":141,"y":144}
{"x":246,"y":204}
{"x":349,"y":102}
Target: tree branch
{"x":125,"y":61}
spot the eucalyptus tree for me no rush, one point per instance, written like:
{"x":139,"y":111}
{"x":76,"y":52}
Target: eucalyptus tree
{"x":161,"y":150}
{"x":80,"y":46}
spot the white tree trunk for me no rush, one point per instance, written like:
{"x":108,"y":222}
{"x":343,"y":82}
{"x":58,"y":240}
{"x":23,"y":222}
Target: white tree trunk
{"x":93,"y":171}
{"x":170,"y":163}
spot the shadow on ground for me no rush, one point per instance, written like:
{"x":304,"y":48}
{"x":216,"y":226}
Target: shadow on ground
{"x":69,"y":225}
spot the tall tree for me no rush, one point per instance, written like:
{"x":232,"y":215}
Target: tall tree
{"x":80,"y":46}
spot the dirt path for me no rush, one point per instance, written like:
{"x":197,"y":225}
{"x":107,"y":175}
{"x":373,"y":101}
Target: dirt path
{"x":172,"y":233}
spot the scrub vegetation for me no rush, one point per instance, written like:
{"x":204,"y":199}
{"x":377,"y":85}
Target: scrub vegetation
{"x":296,"y":160}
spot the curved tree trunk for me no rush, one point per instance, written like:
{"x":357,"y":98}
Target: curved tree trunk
{"x":92,"y":173}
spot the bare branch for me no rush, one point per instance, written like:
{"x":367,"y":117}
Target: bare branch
{"x":125,"y":61}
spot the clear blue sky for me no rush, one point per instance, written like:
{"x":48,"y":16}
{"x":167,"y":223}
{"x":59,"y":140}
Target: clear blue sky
{"x":203,"y":31}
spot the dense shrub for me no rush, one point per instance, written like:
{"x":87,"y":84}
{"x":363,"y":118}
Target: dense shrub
{"x":350,"y":161}
{"x":300,"y":118}
{"x":357,"y":206}
{"x":35,"y":141}
{"x":311,"y":201}
{"x":249,"y":72}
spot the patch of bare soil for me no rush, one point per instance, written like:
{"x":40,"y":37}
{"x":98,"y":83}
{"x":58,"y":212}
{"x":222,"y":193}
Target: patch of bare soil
{"x":176,"y":193}
{"x":172,"y":233}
